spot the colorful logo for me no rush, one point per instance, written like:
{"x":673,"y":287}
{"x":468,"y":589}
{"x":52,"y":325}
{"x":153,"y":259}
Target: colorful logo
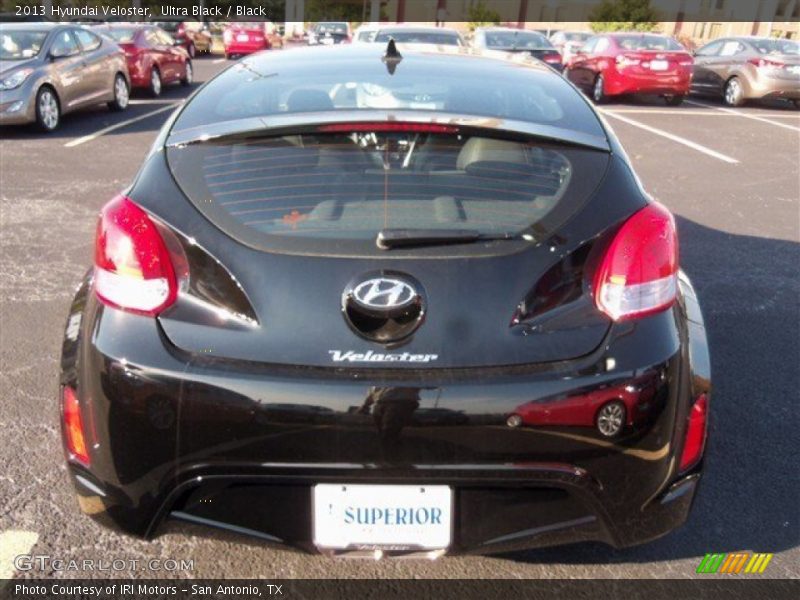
{"x":735,"y":562}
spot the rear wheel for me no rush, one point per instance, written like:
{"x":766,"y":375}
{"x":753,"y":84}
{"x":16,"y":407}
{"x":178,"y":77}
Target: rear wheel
{"x":122,"y":94}
{"x":188,"y":74}
{"x":734,"y":93}
{"x":675,"y":100}
{"x":598,"y":91}
{"x":610,"y":418}
{"x":155,"y":82}
{"x":48,"y":110}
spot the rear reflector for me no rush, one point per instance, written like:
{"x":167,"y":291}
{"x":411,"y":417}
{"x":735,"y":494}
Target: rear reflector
{"x":695,"y":440}
{"x":388,"y":126}
{"x":73,"y":426}
{"x":639,"y":272}
{"x":133,"y":270}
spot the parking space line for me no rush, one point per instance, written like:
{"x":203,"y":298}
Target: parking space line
{"x":218,"y":60}
{"x":12,"y":544}
{"x":679,"y":112}
{"x":120,"y":125}
{"x":141,"y":102}
{"x":674,"y":138}
{"x":732,"y":111}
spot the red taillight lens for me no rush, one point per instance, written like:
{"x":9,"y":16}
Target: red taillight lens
{"x":388,"y":126}
{"x":73,"y":426}
{"x":133,"y":270}
{"x":552,"y":58}
{"x":766,"y":63}
{"x":695,"y":440}
{"x":639,"y":272}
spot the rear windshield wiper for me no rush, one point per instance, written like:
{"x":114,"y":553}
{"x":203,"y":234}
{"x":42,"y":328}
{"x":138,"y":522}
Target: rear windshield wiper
{"x":404,"y":238}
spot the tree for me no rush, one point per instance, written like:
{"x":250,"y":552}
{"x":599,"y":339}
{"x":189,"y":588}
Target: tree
{"x":624,"y":15}
{"x":479,"y":15}
{"x":333,"y":10}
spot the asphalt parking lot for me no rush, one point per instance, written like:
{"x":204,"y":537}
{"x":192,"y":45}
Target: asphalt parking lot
{"x":730,"y":176}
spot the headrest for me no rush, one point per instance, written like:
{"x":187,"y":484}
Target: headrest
{"x":305,"y":100}
{"x":486,"y":150}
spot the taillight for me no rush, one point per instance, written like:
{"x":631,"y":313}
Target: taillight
{"x":695,"y":439}
{"x":638,"y":275}
{"x":552,"y":58}
{"x":133,"y":270}
{"x":73,"y":426}
{"x":766,"y":63}
{"x":624,"y":61}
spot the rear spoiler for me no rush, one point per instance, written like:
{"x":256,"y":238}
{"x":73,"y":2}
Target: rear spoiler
{"x":293,"y":123}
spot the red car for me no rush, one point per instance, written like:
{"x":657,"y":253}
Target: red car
{"x":613,"y":64}
{"x":244,"y":38}
{"x":609,"y":409}
{"x":154,"y":57}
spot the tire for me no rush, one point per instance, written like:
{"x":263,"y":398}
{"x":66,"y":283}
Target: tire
{"x":675,"y":100}
{"x":122,"y":94}
{"x":599,"y":95}
{"x":188,"y":76}
{"x":156,"y":85}
{"x":191,"y":50}
{"x":227,"y":56}
{"x":48,"y":109}
{"x":733,"y":94}
{"x":611,"y":418}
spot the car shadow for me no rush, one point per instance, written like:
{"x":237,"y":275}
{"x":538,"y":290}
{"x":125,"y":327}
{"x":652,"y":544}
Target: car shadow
{"x":749,"y":290}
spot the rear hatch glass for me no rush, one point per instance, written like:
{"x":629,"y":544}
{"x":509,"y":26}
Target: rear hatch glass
{"x":335,"y":191}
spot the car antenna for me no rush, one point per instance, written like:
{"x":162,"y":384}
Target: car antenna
{"x":391,"y":57}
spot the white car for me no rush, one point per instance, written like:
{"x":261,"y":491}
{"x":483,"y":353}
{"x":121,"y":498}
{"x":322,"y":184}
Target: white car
{"x":365,"y":33}
{"x":568,"y":42}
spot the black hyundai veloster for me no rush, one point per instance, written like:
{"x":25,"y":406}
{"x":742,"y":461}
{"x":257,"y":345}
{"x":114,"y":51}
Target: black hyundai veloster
{"x":388,"y":300}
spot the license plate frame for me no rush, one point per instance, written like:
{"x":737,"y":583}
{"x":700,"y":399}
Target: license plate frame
{"x":330,"y":531}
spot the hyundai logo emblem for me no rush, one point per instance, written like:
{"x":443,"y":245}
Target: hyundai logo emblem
{"x":384,"y":293}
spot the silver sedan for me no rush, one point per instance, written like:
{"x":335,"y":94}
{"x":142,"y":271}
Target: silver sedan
{"x":47,"y":70}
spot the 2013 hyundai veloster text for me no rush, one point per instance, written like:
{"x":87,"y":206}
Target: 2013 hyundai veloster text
{"x":387,"y":299}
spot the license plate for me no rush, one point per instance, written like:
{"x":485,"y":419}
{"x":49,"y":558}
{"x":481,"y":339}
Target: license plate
{"x":242,"y":38}
{"x":326,"y":41}
{"x":659,"y":65}
{"x":398,"y":517}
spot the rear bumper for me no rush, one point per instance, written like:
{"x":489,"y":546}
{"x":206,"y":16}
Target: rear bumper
{"x":241,"y":446}
{"x":763,"y":87}
{"x":629,"y":83}
{"x":243,"y":48}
